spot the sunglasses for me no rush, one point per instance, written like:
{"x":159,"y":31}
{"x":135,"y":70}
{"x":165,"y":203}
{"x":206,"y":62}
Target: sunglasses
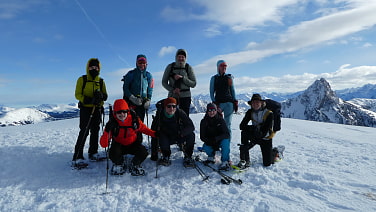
{"x":211,"y":110}
{"x":171,"y":106}
{"x":122,"y":111}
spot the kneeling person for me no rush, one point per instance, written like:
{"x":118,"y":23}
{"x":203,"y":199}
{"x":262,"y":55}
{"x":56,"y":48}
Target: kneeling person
{"x":215,"y":135}
{"x":123,"y":128}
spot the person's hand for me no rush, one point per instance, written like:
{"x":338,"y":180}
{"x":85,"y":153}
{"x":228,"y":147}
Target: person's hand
{"x":135,"y":100}
{"x":98,"y":97}
{"x":147,"y":104}
{"x":236,"y":106}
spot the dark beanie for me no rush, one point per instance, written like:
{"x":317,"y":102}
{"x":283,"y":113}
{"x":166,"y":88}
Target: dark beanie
{"x":211,"y":106}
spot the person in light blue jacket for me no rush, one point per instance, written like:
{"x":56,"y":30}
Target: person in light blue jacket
{"x":138,"y":87}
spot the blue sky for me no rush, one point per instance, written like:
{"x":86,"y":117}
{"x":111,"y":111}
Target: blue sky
{"x":270,"y":46}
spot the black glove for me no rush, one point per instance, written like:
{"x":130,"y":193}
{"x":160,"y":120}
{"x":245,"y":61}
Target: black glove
{"x":111,"y":125}
{"x":98,"y":97}
{"x":88,"y":100}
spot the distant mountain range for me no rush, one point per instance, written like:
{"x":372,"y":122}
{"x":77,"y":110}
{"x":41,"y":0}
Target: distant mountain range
{"x":354,"y":106}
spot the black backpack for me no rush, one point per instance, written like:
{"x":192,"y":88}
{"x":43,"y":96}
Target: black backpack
{"x":275,"y":107}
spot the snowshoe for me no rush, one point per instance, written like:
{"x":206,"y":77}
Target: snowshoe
{"x":209,"y":160}
{"x":137,"y":170}
{"x":97,"y":157}
{"x":79,"y":164}
{"x":278,"y":153}
{"x":188,"y":162}
{"x":117,"y":170}
{"x":243,"y":164}
{"x":164,"y":161}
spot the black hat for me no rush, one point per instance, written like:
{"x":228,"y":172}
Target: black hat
{"x":255,"y":96}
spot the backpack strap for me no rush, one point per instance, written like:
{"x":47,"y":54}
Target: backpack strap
{"x":84,"y":77}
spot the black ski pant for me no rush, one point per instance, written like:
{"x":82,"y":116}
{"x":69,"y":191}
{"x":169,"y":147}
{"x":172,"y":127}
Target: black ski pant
{"x":92,"y":127}
{"x":184,"y":104}
{"x":248,"y":141}
{"x":117,"y":151}
{"x":185,"y":143}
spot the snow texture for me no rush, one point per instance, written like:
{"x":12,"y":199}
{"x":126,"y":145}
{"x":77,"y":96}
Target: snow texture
{"x":327,"y":167}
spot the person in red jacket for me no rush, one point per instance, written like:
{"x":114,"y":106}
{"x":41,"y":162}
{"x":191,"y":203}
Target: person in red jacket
{"x":123,"y":127}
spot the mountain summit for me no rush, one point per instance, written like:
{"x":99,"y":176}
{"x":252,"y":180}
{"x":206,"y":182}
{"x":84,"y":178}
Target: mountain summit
{"x":320,"y":103}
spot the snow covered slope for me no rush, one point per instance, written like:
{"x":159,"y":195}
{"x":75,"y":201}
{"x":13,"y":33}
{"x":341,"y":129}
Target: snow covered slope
{"x":327,"y":167}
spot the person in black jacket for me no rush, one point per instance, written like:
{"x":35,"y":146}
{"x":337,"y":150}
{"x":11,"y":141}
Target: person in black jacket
{"x":215,"y":135}
{"x":172,"y":126}
{"x":260,"y":132}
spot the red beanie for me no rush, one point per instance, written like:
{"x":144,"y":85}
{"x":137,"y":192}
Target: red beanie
{"x":169,"y":100}
{"x":120,"y":104}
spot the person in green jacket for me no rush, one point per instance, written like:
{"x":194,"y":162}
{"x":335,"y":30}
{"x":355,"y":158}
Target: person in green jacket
{"x":91,"y":94}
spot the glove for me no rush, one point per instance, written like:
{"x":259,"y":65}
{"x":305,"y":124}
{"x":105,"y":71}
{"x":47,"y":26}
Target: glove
{"x":236,"y":105}
{"x":98,"y":97}
{"x":104,"y":140}
{"x":147,"y":104}
{"x":88,"y":100}
{"x":135,"y":100}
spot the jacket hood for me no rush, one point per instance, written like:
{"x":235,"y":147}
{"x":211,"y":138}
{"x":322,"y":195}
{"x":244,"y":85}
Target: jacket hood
{"x":95,"y":60}
{"x":120,"y":104}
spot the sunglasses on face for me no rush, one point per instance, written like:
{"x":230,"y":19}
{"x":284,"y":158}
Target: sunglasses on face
{"x":141,"y":62}
{"x":122,"y":111}
{"x":211,"y":110}
{"x":171,"y":106}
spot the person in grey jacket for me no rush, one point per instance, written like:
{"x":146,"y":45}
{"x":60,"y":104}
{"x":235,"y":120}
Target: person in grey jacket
{"x":178,"y":79}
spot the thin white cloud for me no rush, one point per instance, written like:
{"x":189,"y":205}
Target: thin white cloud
{"x":303,"y":35}
{"x":344,"y":77}
{"x":10,"y":9}
{"x":166,"y":50}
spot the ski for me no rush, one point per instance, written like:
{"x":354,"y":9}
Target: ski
{"x":225,"y":179}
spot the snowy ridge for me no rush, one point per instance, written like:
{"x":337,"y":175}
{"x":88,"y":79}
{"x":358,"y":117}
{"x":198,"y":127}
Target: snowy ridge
{"x":326,"y":168}
{"x":320,"y":103}
{"x":316,"y":103}
{"x":23,"y":116}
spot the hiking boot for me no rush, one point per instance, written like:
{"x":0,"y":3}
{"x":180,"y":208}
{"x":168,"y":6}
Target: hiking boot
{"x":244,"y":164}
{"x":225,"y":166}
{"x":188,"y":162}
{"x":97,"y":157}
{"x":117,"y":170}
{"x":136,"y":170}
{"x":209,"y":160}
{"x":164,"y":161}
